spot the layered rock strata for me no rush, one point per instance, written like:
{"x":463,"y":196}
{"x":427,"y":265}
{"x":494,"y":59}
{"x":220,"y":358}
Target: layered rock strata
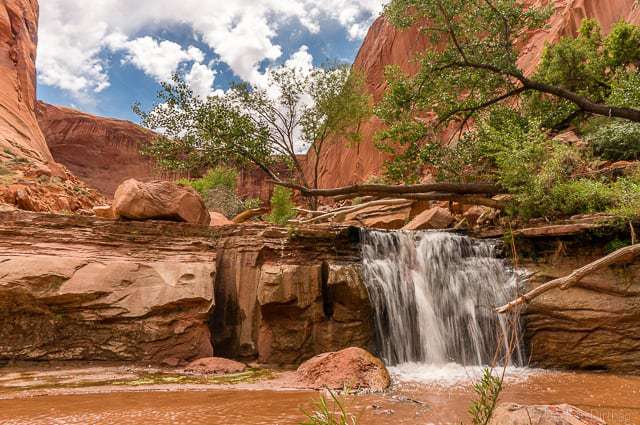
{"x":76,"y":288}
{"x":284,"y":296}
{"x":29,"y":177}
{"x":593,"y":326}
{"x":19,"y":130}
{"x":80,"y":288}
{"x":102,"y":152}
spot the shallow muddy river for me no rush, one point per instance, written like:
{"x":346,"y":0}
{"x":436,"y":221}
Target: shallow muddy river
{"x":615,"y":398}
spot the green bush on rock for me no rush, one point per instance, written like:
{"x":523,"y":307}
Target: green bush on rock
{"x":218,"y":189}
{"x":282,"y":206}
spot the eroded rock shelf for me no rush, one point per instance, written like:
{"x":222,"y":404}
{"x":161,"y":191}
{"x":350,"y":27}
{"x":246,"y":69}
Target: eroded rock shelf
{"x":80,"y":288}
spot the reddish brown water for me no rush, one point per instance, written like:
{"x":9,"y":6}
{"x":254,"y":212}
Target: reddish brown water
{"x":615,"y":398}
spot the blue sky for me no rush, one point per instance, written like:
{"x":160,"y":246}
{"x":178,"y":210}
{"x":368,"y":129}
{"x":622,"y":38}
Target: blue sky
{"x":101,"y":56}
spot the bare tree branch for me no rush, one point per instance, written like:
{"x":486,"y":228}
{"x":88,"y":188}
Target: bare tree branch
{"x":620,"y":256}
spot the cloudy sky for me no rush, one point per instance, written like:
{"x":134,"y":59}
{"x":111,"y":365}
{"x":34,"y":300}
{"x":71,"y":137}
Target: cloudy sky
{"x":102,"y":55}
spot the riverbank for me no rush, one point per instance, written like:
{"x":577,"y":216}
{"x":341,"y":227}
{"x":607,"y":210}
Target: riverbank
{"x":125,"y":394}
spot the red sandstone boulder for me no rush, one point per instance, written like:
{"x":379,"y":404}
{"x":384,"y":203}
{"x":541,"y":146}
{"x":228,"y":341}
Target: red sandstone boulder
{"x":160,"y":200}
{"x":218,"y":219}
{"x":435,"y":218}
{"x":352,"y":368}
{"x":563,"y":414}
{"x":215,"y":366}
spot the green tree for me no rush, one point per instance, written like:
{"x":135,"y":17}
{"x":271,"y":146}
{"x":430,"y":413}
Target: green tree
{"x":340,"y":105}
{"x":197,"y":133}
{"x":475,"y":68}
{"x":260,"y":125}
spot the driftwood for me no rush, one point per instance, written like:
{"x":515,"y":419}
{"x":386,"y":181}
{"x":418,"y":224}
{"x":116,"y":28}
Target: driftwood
{"x":620,"y":256}
{"x":312,"y":213}
{"x":341,"y":212}
{"x":249,"y":214}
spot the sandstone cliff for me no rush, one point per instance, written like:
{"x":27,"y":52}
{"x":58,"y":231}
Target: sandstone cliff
{"x":79,"y":288}
{"x":102,"y":152}
{"x":593,"y":326}
{"x":19,"y":131}
{"x":342,"y":164}
{"x":29,"y":177}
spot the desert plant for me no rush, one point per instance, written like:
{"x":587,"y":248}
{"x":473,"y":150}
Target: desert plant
{"x":488,"y":391}
{"x":331,"y":412}
{"x":254,"y":124}
{"x":282,"y":206}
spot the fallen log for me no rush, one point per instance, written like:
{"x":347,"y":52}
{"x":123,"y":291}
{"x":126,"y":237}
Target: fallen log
{"x":620,"y":256}
{"x":249,"y":214}
{"x":368,"y":189}
{"x":437,"y":196}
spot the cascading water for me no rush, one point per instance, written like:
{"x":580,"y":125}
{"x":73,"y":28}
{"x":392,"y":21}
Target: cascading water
{"x":433,"y":295}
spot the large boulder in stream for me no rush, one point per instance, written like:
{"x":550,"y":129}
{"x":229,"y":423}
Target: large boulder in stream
{"x":160,"y":200}
{"x":352,"y":368}
{"x":563,"y":414}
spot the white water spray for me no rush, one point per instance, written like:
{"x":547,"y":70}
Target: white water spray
{"x":433,"y":296}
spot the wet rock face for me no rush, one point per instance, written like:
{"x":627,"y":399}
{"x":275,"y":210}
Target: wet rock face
{"x":72,"y":288}
{"x":81,"y":288}
{"x":284,"y":298}
{"x":592,"y":326}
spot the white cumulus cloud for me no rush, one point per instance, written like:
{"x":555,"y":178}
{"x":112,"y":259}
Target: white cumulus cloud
{"x":158,"y":59}
{"x":74,"y":34}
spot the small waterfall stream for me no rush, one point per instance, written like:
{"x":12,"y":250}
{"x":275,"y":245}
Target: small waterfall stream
{"x":433,"y":296}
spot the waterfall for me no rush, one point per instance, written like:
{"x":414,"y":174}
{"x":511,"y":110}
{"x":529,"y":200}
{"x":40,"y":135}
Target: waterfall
{"x":433,"y":296}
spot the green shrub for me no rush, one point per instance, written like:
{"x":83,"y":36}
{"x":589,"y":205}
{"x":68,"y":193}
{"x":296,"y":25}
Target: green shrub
{"x":218,"y":189}
{"x":251,"y":203}
{"x":581,"y":197}
{"x":215,"y":178}
{"x":615,"y":245}
{"x":626,"y":193}
{"x":617,"y":141}
{"x":282,"y":206}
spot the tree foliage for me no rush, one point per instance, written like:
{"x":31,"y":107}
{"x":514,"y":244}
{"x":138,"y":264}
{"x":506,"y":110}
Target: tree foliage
{"x":282,"y":206}
{"x":473,"y":68}
{"x":264,"y":125}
